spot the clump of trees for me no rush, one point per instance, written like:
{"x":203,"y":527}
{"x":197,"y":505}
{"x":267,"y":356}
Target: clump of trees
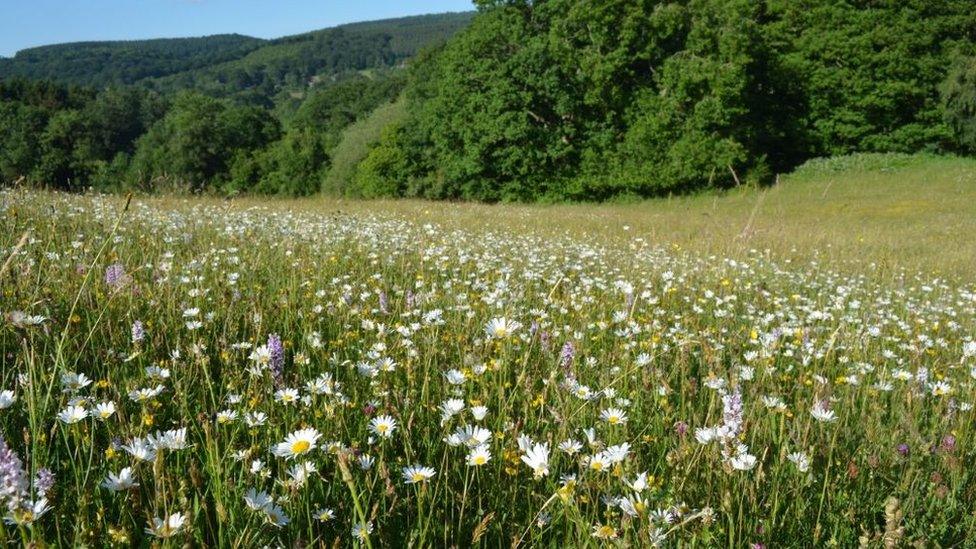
{"x":562,"y":99}
{"x":67,"y":136}
{"x":227,"y":114}
{"x":123,"y":138}
{"x":198,"y":142}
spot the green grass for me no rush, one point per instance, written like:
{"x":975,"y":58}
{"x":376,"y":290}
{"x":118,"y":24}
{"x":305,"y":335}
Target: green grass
{"x":846,"y":291}
{"x":883,"y":214}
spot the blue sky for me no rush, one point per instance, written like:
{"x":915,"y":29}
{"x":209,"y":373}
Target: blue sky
{"x":26,"y":23}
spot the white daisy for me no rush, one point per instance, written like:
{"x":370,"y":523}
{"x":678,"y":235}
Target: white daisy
{"x":120,"y":482}
{"x":167,"y":528}
{"x":297,"y":443}
{"x":383,"y":426}
{"x":72,"y":414}
{"x":417,"y":473}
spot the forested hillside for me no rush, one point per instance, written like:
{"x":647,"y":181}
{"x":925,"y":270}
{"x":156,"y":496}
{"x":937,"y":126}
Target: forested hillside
{"x":125,"y":62}
{"x":295,"y":63}
{"x":234,"y":65}
{"x":223,"y":113}
{"x":524,"y":100}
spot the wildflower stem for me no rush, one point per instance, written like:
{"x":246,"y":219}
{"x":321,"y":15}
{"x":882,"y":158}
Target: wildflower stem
{"x":351,"y":485}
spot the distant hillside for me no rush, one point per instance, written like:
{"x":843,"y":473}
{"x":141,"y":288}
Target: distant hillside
{"x":297,"y":62}
{"x":228,"y":65}
{"x":125,"y":62}
{"x":226,"y":112}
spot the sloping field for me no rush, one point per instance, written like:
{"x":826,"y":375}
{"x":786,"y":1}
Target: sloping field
{"x":874,"y":213}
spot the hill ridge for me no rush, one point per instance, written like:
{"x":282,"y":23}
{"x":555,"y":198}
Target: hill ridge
{"x":103,"y":63}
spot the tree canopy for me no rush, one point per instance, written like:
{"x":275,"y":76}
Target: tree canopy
{"x":565,"y":99}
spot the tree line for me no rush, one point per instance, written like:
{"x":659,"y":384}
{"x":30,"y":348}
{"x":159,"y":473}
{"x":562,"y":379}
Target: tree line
{"x":533,"y":100}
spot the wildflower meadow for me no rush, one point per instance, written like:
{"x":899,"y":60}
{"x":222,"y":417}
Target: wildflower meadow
{"x":197,"y":372}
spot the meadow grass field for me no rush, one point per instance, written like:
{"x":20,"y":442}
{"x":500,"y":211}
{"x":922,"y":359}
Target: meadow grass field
{"x":792,"y":366}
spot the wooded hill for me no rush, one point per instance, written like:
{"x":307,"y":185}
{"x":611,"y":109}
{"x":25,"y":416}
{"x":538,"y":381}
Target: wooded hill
{"x":523,"y":100}
{"x":232,"y":65}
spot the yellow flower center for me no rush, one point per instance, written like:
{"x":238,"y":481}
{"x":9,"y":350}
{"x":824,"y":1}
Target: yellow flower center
{"x":300,"y":446}
{"x":480,"y":460}
{"x":417,"y":477}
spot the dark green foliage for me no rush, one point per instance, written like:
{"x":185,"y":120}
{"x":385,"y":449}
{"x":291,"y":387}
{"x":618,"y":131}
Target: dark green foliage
{"x":195,"y":144}
{"x":317,"y":84}
{"x":587,"y":100}
{"x":21,"y":127}
{"x":43,"y":94}
{"x":959,"y":99}
{"x":489,"y":112}
{"x":563,"y":99}
{"x":71,"y":138}
{"x":125,"y":62}
{"x":871,"y":69}
{"x":63,"y":152}
{"x":117,"y":117}
{"x":291,"y":166}
{"x":707,"y":114}
{"x":60,"y":136}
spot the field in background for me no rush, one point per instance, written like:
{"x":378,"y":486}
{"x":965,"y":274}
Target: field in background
{"x":871,"y":213}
